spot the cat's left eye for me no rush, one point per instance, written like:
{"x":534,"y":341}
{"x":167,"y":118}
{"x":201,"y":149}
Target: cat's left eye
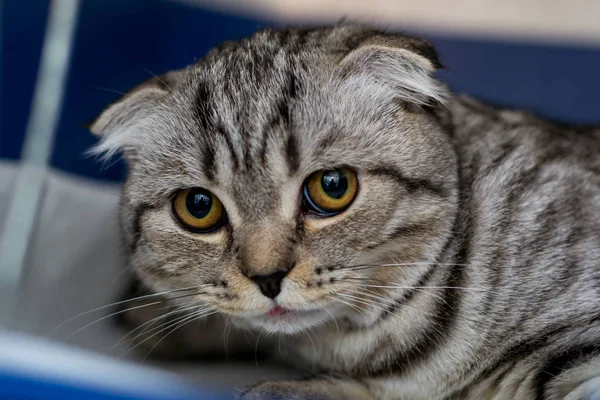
{"x":329,"y":192}
{"x":198,"y":210}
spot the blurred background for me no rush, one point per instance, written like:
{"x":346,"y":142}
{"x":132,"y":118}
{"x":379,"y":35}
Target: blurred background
{"x":62,"y":61}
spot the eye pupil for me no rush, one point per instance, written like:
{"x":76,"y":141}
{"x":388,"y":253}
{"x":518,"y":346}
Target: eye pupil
{"x":334,"y":184}
{"x":329,"y":192}
{"x":199,"y":203}
{"x":198,"y":210}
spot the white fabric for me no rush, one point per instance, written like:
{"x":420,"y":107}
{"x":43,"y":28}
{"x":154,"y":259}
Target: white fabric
{"x":75,"y":263}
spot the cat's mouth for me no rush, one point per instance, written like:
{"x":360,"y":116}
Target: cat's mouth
{"x":282,"y":312}
{"x":286,"y":320}
{"x":276,"y":311}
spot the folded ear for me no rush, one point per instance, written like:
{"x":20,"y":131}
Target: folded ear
{"x":402,"y":62}
{"x":116,"y":124}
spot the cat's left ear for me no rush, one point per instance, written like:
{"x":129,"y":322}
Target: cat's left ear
{"x":118,"y":125}
{"x":402,"y":62}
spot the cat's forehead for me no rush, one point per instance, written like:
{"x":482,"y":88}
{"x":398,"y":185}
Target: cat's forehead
{"x":252,"y":78}
{"x":258,"y":113}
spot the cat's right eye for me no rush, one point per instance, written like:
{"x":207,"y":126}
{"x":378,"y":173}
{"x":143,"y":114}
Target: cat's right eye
{"x":198,"y":210}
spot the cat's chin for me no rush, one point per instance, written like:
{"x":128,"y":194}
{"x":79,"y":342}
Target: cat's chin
{"x":287,"y":321}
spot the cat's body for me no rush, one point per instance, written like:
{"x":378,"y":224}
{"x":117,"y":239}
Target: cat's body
{"x":523,"y":300}
{"x":466,"y":266}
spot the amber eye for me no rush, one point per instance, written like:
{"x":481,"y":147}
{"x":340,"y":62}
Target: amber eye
{"x":198,"y":210}
{"x":329,"y":192}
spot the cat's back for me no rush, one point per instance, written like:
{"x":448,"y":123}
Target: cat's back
{"x":489,"y":138}
{"x":531,"y":203}
{"x":531,"y":190}
{"x":512,"y":160}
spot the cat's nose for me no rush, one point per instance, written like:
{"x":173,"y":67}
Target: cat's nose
{"x":270,"y":285}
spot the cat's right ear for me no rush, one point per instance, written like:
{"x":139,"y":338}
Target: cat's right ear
{"x":398,"y":61}
{"x":118,"y":126}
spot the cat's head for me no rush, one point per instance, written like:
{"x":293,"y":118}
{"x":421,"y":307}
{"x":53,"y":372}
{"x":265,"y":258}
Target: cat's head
{"x":278,"y":177}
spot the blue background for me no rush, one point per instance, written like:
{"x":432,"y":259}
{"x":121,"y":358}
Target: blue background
{"x":120,"y":43}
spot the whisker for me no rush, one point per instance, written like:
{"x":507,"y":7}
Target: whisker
{"x":417,"y":288}
{"x":432,"y":316}
{"x":169,"y":324}
{"x":156,"y":328}
{"x":334,"y":320}
{"x":225,"y":337}
{"x":108,"y":316}
{"x":106,"y":89}
{"x":279,"y":345}
{"x":399,"y":286}
{"x":402,"y":305}
{"x":364,"y":301}
{"x":359,"y":267}
{"x":170,"y":321}
{"x":313,"y":344}
{"x":182,"y":324}
{"x":256,"y":349}
{"x":360,"y":310}
{"x":119,"y":303}
{"x":178,"y":305}
{"x":124,"y":338}
{"x":425,"y":287}
{"x":157,"y":77}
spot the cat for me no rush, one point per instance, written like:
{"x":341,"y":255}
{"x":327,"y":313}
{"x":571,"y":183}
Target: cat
{"x":322,"y":188}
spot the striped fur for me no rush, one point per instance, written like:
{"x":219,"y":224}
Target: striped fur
{"x":466,"y":268}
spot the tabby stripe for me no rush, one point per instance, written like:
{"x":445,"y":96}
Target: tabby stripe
{"x":137,"y":224}
{"x":234,"y":160}
{"x":498,"y":258}
{"x":525,"y":181}
{"x":410,"y":229}
{"x":570,"y":272}
{"x":283,"y":103}
{"x":411,"y":184}
{"x":202,"y":112}
{"x":204,"y":116}
{"x":209,"y":166}
{"x":285,"y":113}
{"x":328,"y":141}
{"x":506,"y":150}
{"x":408,"y":295}
{"x":436,"y":334}
{"x":248,"y":161}
{"x":560,"y":363}
{"x":263,"y":147}
{"x":302,"y":36}
{"x":401,"y":231}
{"x":495,"y":268}
{"x":528,"y":346}
{"x":447,"y":308}
{"x":292,"y":153}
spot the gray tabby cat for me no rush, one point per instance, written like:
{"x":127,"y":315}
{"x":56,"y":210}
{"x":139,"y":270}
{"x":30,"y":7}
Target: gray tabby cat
{"x":321,"y":186}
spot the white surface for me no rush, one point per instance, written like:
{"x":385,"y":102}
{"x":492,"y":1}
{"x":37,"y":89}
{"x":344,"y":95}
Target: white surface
{"x":38,"y":359}
{"x":75,"y":263}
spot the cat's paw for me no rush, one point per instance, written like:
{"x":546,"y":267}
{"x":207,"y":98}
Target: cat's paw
{"x":279,"y":391}
{"x":317,"y":389}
